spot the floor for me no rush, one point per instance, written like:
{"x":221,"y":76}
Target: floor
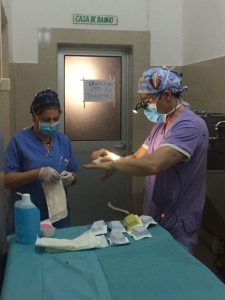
{"x":210,"y":253}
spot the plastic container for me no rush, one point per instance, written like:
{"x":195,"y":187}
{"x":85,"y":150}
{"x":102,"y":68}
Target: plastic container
{"x":27,"y":220}
{"x":47,"y":229}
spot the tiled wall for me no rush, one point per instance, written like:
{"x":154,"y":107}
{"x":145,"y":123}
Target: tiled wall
{"x":206,"y":81}
{"x":28,"y":79}
{"x":4,"y":136}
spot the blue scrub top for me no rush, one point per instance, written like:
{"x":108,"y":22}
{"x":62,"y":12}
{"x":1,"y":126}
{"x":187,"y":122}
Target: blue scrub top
{"x":26,"y":152}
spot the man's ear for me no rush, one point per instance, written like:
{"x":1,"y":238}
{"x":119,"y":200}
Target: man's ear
{"x":168,"y":95}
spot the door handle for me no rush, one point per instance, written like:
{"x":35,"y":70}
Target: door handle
{"x":120,"y":149}
{"x":120,"y":146}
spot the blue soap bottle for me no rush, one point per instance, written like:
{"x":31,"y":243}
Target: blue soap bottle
{"x":27,"y":220}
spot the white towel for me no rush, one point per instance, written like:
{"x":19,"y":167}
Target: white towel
{"x":56,"y":200}
{"x":87,"y":240}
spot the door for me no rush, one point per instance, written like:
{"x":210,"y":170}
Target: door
{"x":92,"y":85}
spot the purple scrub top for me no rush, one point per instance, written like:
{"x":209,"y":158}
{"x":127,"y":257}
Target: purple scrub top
{"x":176,"y":197}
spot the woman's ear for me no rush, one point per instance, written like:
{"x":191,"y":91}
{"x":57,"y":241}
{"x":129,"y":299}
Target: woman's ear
{"x":34,"y":118}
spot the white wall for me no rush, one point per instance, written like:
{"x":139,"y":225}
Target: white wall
{"x":7,"y":6}
{"x":203,"y":30}
{"x":166,"y":32}
{"x":162,"y":18}
{"x":182,"y":31}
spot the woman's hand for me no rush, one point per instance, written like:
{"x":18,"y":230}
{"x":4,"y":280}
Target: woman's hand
{"x":48,"y":174}
{"x":68,"y":178}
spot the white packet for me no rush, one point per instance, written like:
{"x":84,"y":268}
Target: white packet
{"x":116,"y":237}
{"x":140,"y":232}
{"x":147,"y":220}
{"x":99,"y":227}
{"x":116,"y":225}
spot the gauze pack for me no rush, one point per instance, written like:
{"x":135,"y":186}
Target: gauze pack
{"x":56,"y":200}
{"x":147,"y":220}
{"x":140,"y":232}
{"x":116,"y":237}
{"x":116,"y":225}
{"x":99,"y":227}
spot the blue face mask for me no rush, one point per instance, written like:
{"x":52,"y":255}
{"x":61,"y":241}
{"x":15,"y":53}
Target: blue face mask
{"x":154,"y":116}
{"x":48,"y":128}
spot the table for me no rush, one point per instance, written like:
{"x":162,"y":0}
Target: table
{"x":152,"y":268}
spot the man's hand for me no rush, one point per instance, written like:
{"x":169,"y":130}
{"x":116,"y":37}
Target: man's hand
{"x":99,"y":153}
{"x":106,"y":166}
{"x":103,"y":155}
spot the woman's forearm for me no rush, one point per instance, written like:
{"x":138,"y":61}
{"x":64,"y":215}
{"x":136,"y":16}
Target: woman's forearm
{"x":17,"y":179}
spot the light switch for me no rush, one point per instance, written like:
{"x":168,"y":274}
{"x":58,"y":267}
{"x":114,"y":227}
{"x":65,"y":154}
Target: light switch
{"x":5,"y":84}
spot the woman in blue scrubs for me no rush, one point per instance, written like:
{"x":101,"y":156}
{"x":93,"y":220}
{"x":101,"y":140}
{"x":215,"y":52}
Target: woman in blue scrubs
{"x":40,"y":154}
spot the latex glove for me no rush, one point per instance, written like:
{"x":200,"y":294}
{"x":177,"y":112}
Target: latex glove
{"x":99,"y":153}
{"x":67,"y":178}
{"x":48,"y":174}
{"x":103,"y":155}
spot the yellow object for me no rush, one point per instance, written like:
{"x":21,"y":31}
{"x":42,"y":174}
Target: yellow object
{"x":132,"y":221}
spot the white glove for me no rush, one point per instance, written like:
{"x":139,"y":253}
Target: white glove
{"x":48,"y":174}
{"x":67,"y":178}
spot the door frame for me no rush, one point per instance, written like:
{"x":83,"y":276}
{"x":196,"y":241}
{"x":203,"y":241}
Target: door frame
{"x":137,"y":45}
{"x":64,"y":51}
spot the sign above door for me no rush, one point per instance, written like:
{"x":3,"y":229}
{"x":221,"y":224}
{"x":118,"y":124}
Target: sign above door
{"x":95,"y":19}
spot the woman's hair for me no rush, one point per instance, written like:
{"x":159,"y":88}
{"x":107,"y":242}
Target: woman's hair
{"x":45,"y":100}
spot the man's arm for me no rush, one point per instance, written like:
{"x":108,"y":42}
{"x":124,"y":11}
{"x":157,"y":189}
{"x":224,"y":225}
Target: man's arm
{"x":142,"y":151}
{"x":150,"y":164}
{"x":107,"y":156}
{"x":160,"y":160}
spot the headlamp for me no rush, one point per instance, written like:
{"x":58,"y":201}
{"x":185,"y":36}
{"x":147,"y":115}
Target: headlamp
{"x":143,"y":104}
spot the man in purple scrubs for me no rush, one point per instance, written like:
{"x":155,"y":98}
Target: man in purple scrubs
{"x":173,"y":157}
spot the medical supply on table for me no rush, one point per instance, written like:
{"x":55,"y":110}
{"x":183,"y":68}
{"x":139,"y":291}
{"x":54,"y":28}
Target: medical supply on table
{"x":87,"y":240}
{"x":47,"y":229}
{"x":140,"y":232}
{"x":94,"y":237}
{"x":27,"y":220}
{"x":109,"y":204}
{"x":99,"y":227}
{"x":116,"y":237}
{"x":132,"y":221}
{"x":97,"y":160}
{"x":56,"y":200}
{"x":147,"y":220}
{"x":116,"y":225}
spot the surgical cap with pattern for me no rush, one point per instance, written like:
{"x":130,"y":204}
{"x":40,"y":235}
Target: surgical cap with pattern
{"x":156,"y":80}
